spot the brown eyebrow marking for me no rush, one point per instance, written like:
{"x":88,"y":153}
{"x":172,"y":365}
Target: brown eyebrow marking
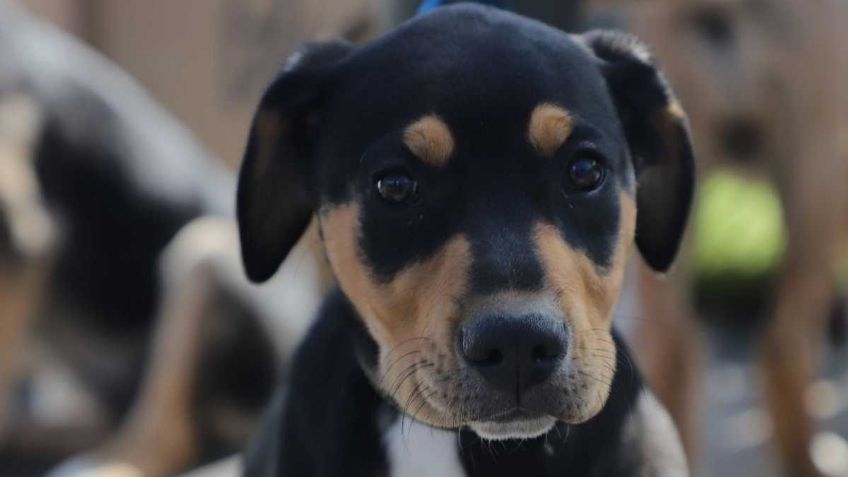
{"x":550,"y":126}
{"x":430,"y":139}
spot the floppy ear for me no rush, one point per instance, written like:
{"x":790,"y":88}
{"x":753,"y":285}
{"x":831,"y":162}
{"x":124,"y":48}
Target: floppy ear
{"x":657,"y":134}
{"x":276,"y":190}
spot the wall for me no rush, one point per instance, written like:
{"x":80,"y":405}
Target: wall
{"x":207,"y":61}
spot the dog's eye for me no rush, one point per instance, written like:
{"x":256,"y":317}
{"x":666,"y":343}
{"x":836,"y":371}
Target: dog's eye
{"x":585,"y":173}
{"x":396,"y":187}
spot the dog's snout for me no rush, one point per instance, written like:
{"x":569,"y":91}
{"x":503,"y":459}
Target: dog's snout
{"x":513,"y":353}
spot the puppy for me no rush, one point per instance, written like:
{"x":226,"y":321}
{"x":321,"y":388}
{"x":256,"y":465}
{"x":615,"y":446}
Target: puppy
{"x":478,"y":179}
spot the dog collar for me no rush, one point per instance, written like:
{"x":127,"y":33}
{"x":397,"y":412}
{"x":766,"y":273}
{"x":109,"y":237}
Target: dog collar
{"x":429,"y":5}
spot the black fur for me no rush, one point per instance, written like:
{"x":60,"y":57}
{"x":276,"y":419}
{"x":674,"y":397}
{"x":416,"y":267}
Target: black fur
{"x":328,"y":422}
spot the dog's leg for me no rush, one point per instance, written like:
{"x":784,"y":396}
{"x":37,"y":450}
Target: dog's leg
{"x":790,"y":352}
{"x":794,"y":338}
{"x":158,"y":437}
{"x":814,"y":201}
{"x":670,"y":349}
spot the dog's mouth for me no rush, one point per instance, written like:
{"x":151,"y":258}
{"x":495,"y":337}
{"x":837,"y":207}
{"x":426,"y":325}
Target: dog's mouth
{"x":432,"y":387}
{"x":515,"y":414}
{"x":516,"y":423}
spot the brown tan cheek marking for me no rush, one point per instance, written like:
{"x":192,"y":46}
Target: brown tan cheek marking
{"x":430,"y":139}
{"x":420,"y":301}
{"x":549,"y":128}
{"x":587,"y":297}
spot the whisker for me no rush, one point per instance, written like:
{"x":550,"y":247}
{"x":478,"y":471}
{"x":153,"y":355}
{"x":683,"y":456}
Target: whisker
{"x":606,"y":382}
{"x":405,"y":342}
{"x":407,"y":373}
{"x":389,"y":368}
{"x":409,"y":400}
{"x":413,"y":416}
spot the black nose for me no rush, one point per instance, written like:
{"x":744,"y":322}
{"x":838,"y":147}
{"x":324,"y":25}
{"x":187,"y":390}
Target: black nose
{"x":513,"y":353}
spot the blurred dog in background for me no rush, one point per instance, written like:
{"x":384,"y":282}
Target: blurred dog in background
{"x":764,"y":84}
{"x":100,"y":305}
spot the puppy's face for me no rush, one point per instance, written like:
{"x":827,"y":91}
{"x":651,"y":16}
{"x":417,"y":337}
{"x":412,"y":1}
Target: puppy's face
{"x":486,"y":259}
{"x":474,"y":180}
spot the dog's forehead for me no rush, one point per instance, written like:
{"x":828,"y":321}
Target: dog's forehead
{"x":472,"y":66}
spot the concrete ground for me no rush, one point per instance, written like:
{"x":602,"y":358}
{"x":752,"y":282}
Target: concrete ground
{"x":737,"y":430}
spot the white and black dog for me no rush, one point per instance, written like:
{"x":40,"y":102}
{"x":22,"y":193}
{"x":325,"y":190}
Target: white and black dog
{"x":96,"y":180}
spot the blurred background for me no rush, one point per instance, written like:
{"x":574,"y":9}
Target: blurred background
{"x":131,"y":343}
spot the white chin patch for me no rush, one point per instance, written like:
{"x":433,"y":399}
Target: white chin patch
{"x":523,"y":429}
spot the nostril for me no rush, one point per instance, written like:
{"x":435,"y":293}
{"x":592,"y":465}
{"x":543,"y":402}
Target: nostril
{"x":480,"y":351}
{"x":494,"y":357}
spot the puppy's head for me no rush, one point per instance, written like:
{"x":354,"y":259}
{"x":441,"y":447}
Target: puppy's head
{"x":476,"y":177}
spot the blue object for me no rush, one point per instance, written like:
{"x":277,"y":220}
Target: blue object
{"x":430,"y":5}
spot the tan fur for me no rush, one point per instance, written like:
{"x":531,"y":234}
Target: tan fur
{"x":430,"y":139}
{"x":313,"y":243}
{"x":549,"y":128}
{"x":587,"y":297}
{"x":412,"y":317}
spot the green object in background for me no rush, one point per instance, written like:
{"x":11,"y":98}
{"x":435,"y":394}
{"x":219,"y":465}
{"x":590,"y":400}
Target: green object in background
{"x":738,"y":226}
